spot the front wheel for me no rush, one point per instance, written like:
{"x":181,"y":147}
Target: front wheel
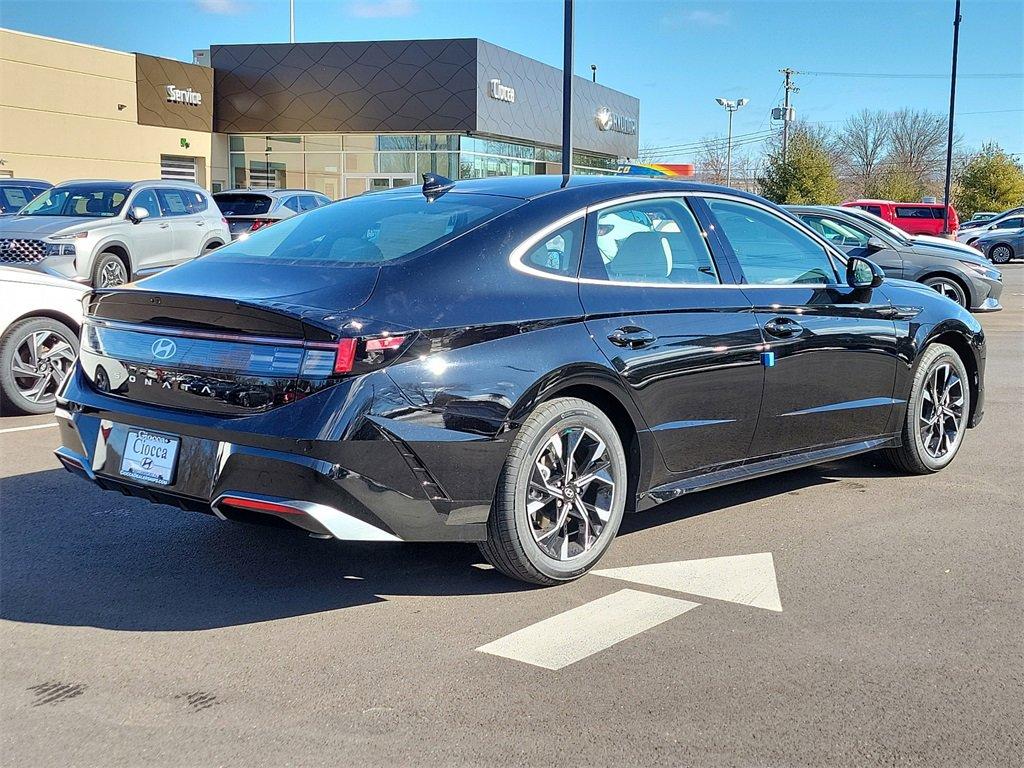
{"x":937,"y":413}
{"x":560,"y":496}
{"x":1001,"y":254}
{"x":109,"y":271}
{"x":949,"y":288}
{"x":36,"y":355}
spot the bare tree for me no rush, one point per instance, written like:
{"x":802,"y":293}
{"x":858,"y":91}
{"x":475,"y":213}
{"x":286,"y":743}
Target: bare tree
{"x":917,"y":142}
{"x":650,"y":153}
{"x":863,"y":143}
{"x":711,"y":160}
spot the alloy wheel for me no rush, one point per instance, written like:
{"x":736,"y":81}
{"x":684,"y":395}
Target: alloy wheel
{"x":113,"y":274}
{"x":569,"y":498}
{"x":941,"y":415}
{"x":41,"y":362}
{"x":1001,"y":254}
{"x":949,"y":289}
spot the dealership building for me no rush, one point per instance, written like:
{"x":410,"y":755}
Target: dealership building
{"x":341,"y":118}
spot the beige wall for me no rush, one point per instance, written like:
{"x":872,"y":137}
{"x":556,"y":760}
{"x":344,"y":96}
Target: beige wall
{"x":59,"y":116}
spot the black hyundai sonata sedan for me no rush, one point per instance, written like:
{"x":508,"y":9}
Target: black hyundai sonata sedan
{"x":514,"y":362}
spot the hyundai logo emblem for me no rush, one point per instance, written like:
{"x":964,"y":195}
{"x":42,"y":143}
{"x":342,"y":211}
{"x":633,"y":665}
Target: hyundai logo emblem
{"x":164,"y":349}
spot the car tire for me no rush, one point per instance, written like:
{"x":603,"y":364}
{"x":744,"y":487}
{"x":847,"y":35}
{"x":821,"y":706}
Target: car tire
{"x":547,"y":538}
{"x":109,"y":271}
{"x":950,"y":288}
{"x":927,"y":445}
{"x":33,"y":347}
{"x":1000,"y":254}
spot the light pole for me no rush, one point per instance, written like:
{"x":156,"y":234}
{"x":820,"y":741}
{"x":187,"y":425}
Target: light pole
{"x":291,"y":21}
{"x":593,"y":72}
{"x":730,"y":107}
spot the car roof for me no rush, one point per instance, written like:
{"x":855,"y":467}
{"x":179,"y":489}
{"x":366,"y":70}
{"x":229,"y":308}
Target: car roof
{"x":593,"y":188}
{"x":101,"y":183}
{"x":8,"y":182}
{"x":269,"y":191}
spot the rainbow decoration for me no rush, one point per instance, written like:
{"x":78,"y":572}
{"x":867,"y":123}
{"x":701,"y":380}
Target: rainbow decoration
{"x":658,"y":169}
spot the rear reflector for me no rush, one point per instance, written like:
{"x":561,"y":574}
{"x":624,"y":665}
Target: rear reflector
{"x":260,"y":223}
{"x":345,"y":355}
{"x":258,"y":506}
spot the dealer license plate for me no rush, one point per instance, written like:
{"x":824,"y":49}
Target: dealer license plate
{"x":149,"y":457}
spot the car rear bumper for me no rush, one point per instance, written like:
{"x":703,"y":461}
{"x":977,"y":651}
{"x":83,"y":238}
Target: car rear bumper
{"x":367,"y":490}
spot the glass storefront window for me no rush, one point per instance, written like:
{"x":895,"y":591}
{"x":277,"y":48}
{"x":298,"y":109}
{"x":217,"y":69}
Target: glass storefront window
{"x":389,"y":143}
{"x":284,"y":143}
{"x":397,"y":162}
{"x":323,"y":143}
{"x":360,"y":162}
{"x":359,"y":143}
{"x":323,"y":172}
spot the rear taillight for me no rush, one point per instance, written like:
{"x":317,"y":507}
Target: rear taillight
{"x":374,"y":351}
{"x":260,"y":224}
{"x":257,"y":505}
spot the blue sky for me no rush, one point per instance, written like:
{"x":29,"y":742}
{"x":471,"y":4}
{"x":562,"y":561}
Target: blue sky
{"x":675,"y":55}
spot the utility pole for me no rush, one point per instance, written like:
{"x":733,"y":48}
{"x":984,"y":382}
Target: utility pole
{"x":790,"y":88}
{"x":952,"y":109}
{"x":291,"y":21}
{"x":567,"y":92}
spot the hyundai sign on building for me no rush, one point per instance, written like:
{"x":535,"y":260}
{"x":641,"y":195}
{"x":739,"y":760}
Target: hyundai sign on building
{"x":338,"y":117}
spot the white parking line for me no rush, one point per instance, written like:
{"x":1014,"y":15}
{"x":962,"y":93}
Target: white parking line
{"x":25,"y":429}
{"x":581,"y":632}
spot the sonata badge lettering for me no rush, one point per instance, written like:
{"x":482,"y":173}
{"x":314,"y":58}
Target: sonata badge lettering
{"x":502,"y":92}
{"x":187,"y":96}
{"x":612,"y":121}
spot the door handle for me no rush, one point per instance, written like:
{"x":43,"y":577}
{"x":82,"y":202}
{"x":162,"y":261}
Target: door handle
{"x":200,"y":223}
{"x":164,"y":225}
{"x":631,"y":337}
{"x":783,"y":327}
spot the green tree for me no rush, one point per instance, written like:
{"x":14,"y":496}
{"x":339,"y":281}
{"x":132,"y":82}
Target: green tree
{"x":807,"y":176}
{"x":990,"y":180}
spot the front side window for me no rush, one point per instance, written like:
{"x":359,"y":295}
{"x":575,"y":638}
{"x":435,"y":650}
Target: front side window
{"x":1016,"y":223}
{"x":14,"y":198}
{"x":147,"y":199}
{"x":771,"y":250}
{"x":913,"y":212}
{"x":873,"y":209}
{"x":93,"y":202}
{"x":837,"y":232}
{"x":656,"y":241}
{"x":368,"y":229}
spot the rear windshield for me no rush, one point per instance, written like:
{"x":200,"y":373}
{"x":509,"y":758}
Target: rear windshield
{"x":369,"y":229}
{"x":232,"y":204}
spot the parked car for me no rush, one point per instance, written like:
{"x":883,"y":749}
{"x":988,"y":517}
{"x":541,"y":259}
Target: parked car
{"x":249,"y":210}
{"x":106,"y":233}
{"x":956,"y":271}
{"x":1002,"y":245}
{"x":912,"y":218}
{"x":980,"y":217}
{"x":16,"y":193}
{"x":39,"y":321}
{"x":1008,"y":220}
{"x":413,"y":365}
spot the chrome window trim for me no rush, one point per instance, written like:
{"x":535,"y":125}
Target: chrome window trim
{"x":515,"y":258}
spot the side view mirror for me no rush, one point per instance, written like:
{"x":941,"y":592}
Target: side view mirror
{"x":137,"y":214}
{"x":876,"y":244}
{"x":861,"y":273}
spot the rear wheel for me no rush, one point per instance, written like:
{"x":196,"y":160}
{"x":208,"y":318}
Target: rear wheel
{"x":937,"y":413}
{"x":1000,"y":254}
{"x":109,"y":271}
{"x":949,"y":288}
{"x":560,"y":496}
{"x":36,"y":356}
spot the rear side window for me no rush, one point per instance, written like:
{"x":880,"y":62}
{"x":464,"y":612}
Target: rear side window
{"x":557,"y":253}
{"x":368,"y":229}
{"x":770,"y":250}
{"x":196,"y":200}
{"x":235,"y":204}
{"x":1016,"y":223}
{"x":292,"y":203}
{"x":656,"y":241}
{"x":916,"y":212}
{"x":173,"y":202}
{"x":875,"y":209}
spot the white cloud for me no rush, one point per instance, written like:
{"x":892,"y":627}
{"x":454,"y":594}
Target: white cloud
{"x":700,"y":17}
{"x":220,"y":7}
{"x":382,"y":9}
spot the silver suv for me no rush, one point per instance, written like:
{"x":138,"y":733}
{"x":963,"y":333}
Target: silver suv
{"x":106,"y":233}
{"x":247,"y":210}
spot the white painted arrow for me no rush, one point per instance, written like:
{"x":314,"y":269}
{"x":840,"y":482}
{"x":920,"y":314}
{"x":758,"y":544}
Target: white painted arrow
{"x":745,"y":579}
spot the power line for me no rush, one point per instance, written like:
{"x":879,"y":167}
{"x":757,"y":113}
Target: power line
{"x":918,"y":76}
{"x":714,"y":140}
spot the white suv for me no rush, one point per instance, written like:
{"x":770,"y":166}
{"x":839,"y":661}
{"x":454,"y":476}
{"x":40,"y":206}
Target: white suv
{"x":105,"y":233}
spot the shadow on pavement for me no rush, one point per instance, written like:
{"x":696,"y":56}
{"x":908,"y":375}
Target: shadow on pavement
{"x":73,"y":555}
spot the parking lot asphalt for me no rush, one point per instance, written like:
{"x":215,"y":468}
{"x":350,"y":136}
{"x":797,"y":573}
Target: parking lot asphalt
{"x":136,"y":634}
